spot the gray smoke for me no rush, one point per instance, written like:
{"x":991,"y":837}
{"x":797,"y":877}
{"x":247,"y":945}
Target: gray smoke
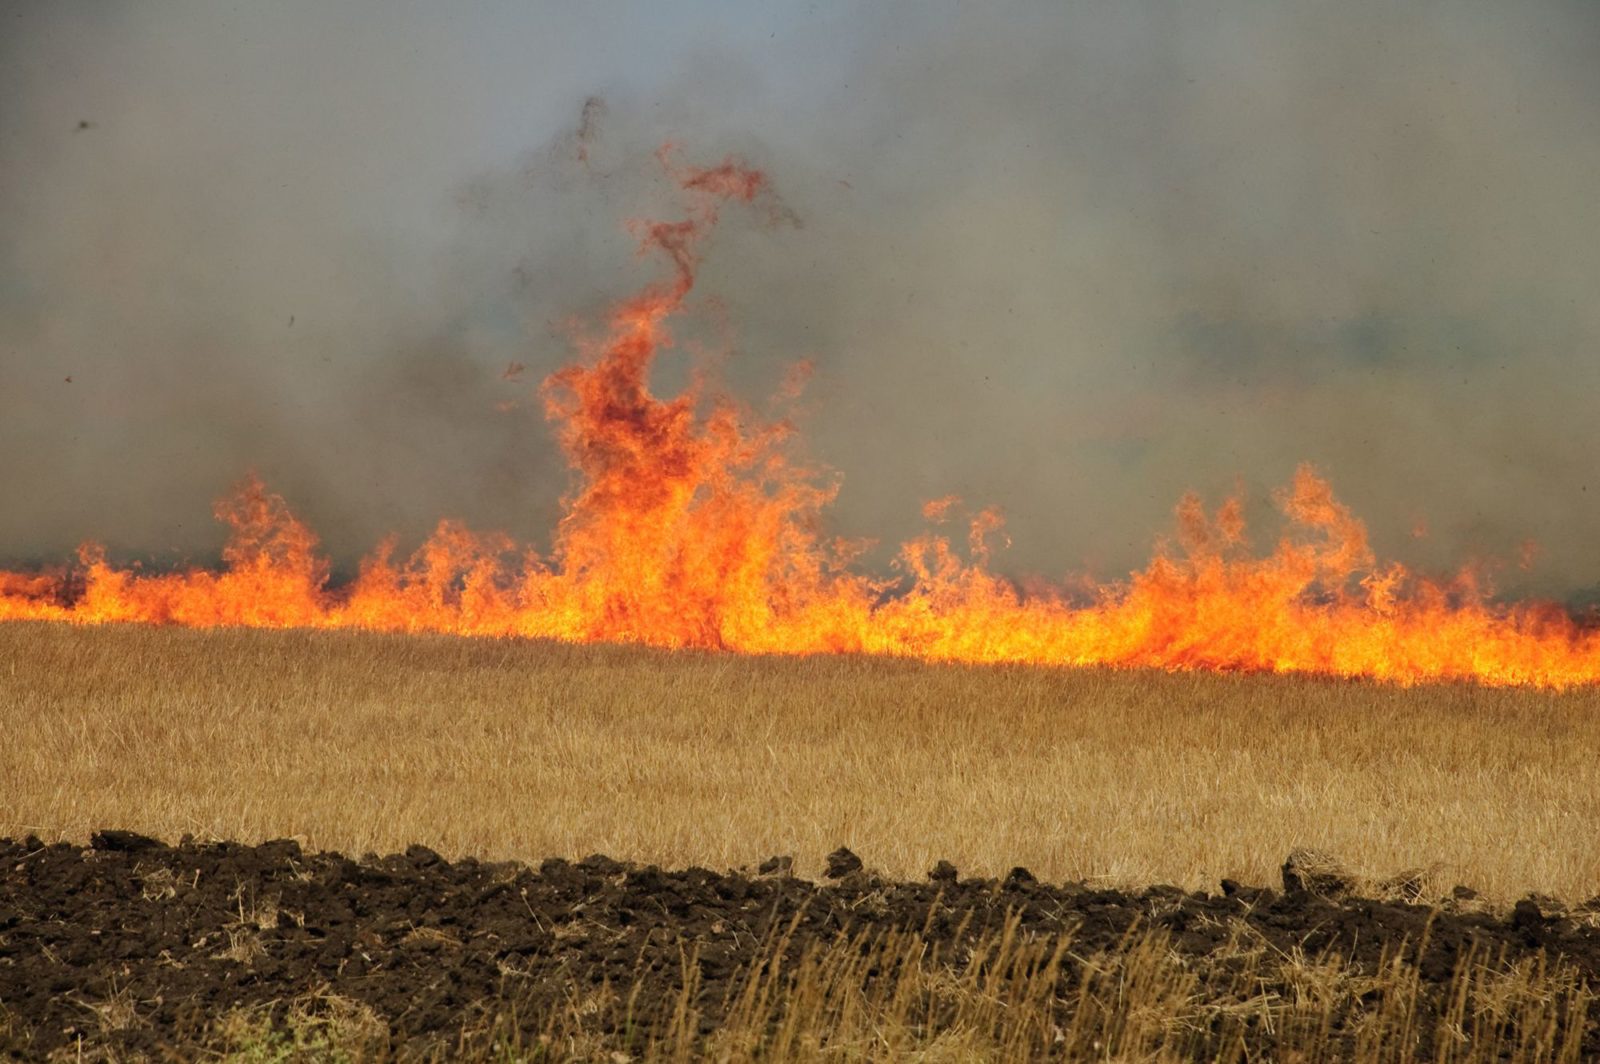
{"x":1070,"y":259}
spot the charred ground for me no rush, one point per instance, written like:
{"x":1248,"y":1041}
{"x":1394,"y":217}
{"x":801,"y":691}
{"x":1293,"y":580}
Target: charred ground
{"x":130,"y":946}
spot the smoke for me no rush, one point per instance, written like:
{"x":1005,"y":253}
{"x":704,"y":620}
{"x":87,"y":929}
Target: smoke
{"x":1070,"y":260}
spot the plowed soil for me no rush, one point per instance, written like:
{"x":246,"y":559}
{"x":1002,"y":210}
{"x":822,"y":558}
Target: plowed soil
{"x":138,"y":947}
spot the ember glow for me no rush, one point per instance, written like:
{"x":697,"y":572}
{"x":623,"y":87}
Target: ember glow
{"x":693,"y":525}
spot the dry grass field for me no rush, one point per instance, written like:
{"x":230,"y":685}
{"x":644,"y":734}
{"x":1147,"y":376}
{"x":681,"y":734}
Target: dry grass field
{"x":520,"y":750}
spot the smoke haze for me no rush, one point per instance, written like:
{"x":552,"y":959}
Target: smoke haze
{"x":1071,"y":260}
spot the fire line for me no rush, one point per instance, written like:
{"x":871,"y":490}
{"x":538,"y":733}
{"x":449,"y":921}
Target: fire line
{"x":694,"y":526}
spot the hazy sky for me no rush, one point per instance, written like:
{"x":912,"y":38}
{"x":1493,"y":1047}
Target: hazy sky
{"x":1067,"y":258}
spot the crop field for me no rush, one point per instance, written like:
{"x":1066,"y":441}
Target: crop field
{"x":524,"y":750}
{"x":1127,"y":797}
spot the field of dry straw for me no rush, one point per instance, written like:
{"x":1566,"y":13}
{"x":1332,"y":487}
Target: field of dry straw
{"x":518,"y":750}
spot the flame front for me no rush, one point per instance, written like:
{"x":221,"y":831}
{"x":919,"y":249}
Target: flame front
{"x":693,"y":526}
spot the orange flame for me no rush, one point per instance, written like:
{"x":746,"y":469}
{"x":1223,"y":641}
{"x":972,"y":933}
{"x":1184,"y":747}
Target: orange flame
{"x":693,"y":526}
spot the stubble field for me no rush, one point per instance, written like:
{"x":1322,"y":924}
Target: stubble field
{"x":516,"y":750}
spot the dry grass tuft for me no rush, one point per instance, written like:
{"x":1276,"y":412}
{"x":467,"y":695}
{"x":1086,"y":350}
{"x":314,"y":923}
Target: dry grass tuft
{"x":315,"y":1027}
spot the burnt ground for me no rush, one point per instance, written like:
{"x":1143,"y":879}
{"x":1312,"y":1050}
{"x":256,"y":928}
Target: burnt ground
{"x":137,"y":947}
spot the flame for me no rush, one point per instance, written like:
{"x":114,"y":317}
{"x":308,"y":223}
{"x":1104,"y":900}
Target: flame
{"x":692,"y":524}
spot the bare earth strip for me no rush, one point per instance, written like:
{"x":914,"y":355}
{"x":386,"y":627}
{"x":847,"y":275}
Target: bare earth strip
{"x":521,"y":750}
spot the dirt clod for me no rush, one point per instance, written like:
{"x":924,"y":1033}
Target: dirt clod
{"x":1318,"y":873}
{"x":841,"y":862}
{"x":780,"y":865}
{"x":123,"y":841}
{"x":1020,"y":875}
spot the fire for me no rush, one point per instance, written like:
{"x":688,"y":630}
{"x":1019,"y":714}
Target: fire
{"x":693,"y":525}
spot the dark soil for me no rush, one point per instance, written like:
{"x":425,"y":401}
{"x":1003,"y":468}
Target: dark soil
{"x":184,"y":934}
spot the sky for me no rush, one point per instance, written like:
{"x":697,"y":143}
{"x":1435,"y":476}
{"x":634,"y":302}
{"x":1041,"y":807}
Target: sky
{"x":1068,"y":259}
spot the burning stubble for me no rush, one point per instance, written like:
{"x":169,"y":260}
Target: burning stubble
{"x":693,"y":524}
